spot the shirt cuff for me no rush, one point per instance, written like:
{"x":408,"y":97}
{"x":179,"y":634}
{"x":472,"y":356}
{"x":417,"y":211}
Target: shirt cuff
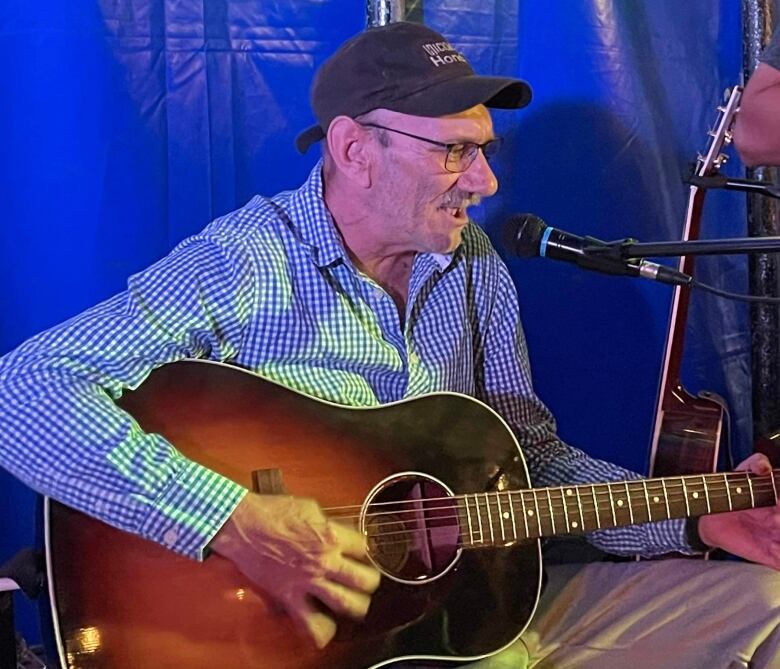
{"x":191,"y":510}
{"x":693,"y":537}
{"x":667,"y":536}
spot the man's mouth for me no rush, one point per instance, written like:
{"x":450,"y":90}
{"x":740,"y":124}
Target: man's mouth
{"x":457,"y":207}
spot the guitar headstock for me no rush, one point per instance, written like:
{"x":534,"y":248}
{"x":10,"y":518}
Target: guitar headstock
{"x":721,"y":135}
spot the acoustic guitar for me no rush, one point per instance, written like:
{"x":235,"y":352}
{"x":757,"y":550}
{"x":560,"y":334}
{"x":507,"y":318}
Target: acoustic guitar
{"x":687,"y":428}
{"x":437,"y":484}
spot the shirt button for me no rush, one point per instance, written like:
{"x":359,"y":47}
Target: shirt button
{"x":170,"y":537}
{"x":414,"y":358}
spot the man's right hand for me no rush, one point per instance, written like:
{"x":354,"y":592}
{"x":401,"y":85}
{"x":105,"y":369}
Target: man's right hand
{"x":289,"y":549}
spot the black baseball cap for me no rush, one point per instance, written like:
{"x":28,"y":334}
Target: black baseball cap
{"x":405,"y":67}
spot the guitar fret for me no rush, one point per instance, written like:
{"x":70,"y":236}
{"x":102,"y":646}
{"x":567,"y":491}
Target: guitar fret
{"x":647,"y":500}
{"x":774,"y":486}
{"x":596,"y":506}
{"x":728,"y":491}
{"x":479,"y":519}
{"x":612,"y":504}
{"x":552,"y":512}
{"x":564,"y":495}
{"x":706,"y":493}
{"x":468,"y":518}
{"x":685,"y":497}
{"x":512,"y":515}
{"x":538,"y":515}
{"x":630,"y":505}
{"x":666,"y":498}
{"x":579,"y":506}
{"x":750,"y":486}
{"x":501,"y":516}
{"x":490,"y":519}
{"x":525,"y":516}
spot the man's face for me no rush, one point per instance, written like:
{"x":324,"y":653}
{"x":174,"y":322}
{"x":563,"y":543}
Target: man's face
{"x":420,"y":204}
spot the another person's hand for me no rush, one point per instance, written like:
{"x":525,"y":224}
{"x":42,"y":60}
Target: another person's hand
{"x":289,"y":549}
{"x":757,"y":130}
{"x":753,"y":534}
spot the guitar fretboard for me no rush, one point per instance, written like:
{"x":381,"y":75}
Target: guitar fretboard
{"x":503,"y":517}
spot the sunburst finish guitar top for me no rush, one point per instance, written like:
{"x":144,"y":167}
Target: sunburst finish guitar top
{"x":123,"y":602}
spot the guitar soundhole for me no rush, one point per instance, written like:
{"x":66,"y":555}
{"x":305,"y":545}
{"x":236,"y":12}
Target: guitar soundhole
{"x":411,"y":522}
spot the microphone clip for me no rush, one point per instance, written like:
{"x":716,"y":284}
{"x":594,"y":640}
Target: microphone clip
{"x":766,"y":188}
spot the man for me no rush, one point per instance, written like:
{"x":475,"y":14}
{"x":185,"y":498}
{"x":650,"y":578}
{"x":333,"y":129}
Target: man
{"x":757,"y":130}
{"x":366,"y":285}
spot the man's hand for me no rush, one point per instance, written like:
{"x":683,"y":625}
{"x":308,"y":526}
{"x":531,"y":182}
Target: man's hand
{"x":757,"y":128}
{"x":752,"y":534}
{"x":289,"y":549}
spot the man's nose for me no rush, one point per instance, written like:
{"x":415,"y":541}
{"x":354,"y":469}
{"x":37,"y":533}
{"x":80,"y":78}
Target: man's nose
{"x":479,"y":177}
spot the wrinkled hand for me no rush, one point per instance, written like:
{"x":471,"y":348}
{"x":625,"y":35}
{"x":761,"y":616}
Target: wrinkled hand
{"x":753,"y":534}
{"x":287,"y":547}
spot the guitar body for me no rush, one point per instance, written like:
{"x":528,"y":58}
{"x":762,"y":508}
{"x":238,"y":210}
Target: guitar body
{"x":689,"y":434}
{"x":120,"y":602}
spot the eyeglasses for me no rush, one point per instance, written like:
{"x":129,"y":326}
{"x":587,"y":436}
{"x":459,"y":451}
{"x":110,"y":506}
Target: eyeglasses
{"x":460,"y":155}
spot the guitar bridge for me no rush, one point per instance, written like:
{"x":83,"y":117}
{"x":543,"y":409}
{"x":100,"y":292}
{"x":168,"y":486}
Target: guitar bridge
{"x":268,"y":482}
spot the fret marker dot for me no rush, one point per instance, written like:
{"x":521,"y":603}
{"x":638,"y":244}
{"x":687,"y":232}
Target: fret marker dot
{"x":656,"y":499}
{"x":506,"y":515}
{"x":530,"y":512}
{"x":620,"y":502}
{"x":695,"y":495}
{"x":569,"y":492}
{"x":574,"y":524}
{"x":739,"y":491}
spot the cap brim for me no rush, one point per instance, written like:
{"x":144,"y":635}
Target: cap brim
{"x":305,"y":139}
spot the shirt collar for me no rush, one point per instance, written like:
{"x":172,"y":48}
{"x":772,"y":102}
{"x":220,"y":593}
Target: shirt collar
{"x":316,"y":226}
{"x":319,"y":232}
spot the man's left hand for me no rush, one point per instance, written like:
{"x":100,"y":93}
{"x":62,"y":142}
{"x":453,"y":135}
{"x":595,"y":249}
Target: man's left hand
{"x":753,"y":534}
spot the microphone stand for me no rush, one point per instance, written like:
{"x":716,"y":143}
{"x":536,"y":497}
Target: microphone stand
{"x":630,"y":248}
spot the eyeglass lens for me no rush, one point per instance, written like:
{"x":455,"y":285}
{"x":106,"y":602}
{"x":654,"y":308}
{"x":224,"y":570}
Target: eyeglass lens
{"x":460,"y":156}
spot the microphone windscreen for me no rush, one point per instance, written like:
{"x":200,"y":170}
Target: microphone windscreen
{"x":522,"y":234}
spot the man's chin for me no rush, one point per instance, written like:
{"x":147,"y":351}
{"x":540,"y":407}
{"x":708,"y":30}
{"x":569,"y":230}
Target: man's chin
{"x":448,"y":243}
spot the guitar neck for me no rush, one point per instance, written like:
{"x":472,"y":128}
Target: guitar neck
{"x":504,"y":517}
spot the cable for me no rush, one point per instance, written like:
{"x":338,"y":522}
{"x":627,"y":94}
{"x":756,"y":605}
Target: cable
{"x":764,"y":299}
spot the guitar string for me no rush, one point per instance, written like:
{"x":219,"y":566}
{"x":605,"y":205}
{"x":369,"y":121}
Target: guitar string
{"x":672,"y":496}
{"x":545,"y":513}
{"x":713,"y":480}
{"x":539,"y":529}
{"x":559,"y":509}
{"x":536,"y":530}
{"x":543,"y":517}
{"x":757,"y":486}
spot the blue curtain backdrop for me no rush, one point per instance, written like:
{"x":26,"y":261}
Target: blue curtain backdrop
{"x":128,"y":125}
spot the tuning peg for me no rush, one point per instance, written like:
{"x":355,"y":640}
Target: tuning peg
{"x":722,"y":158}
{"x":728,"y":136}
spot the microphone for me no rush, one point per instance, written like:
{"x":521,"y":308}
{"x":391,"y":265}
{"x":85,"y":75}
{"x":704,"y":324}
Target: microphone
{"x":527,"y":235}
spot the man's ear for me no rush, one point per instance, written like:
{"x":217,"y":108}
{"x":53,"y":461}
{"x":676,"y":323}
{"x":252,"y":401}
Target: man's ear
{"x":351,"y":149}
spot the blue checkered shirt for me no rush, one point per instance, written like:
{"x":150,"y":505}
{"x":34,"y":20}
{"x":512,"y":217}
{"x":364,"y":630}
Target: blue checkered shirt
{"x":269,"y":287}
